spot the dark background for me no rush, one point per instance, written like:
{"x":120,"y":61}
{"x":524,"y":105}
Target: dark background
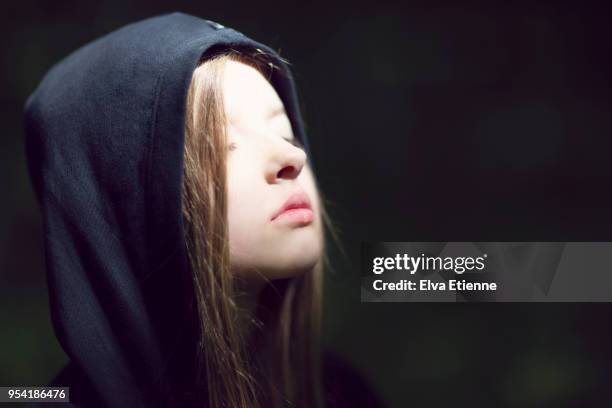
{"x":477,"y":122}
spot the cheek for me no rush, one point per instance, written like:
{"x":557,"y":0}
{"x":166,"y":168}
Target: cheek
{"x":244,"y":215}
{"x":252,"y":241}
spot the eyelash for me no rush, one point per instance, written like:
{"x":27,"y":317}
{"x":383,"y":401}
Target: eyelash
{"x":295,"y":142}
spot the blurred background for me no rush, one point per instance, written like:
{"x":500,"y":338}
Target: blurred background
{"x":477,"y":122}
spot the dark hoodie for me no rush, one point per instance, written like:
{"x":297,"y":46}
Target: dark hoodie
{"x":104,"y":144}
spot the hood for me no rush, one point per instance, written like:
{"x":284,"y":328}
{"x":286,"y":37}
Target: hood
{"x":104,"y":134}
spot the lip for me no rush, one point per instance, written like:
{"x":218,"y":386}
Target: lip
{"x":299,"y":200}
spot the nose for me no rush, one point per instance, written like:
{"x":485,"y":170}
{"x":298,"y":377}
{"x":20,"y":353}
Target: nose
{"x":286,"y":162}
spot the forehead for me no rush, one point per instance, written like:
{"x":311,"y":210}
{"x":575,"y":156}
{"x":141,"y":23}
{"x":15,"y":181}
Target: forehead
{"x":247,"y":95}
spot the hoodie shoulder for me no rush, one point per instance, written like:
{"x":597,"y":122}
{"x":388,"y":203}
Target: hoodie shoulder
{"x":81,"y":393}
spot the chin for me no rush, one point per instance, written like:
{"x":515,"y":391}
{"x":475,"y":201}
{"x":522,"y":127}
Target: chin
{"x":294,"y":260}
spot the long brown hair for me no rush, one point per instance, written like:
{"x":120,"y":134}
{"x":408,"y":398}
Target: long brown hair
{"x":225,"y":368}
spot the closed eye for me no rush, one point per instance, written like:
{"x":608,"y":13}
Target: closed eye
{"x":296,"y":142}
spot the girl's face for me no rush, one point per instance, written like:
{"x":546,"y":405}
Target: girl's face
{"x":266,"y":168}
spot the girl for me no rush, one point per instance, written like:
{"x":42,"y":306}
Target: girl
{"x":184,"y":229}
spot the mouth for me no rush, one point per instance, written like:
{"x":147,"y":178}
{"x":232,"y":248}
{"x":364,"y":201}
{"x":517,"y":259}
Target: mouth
{"x":296,"y":209}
